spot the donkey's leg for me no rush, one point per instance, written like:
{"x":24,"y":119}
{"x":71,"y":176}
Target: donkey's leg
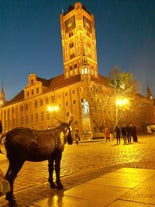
{"x":50,"y":170}
{"x":14,"y":167}
{"x":57,"y":169}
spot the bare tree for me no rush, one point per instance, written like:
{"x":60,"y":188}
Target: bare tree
{"x":109,"y":103}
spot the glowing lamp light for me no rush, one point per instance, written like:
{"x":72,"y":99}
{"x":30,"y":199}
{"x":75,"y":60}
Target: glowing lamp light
{"x":52,"y":108}
{"x":122,"y":102}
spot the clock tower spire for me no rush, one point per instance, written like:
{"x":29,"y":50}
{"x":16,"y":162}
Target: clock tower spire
{"x":78,"y":42}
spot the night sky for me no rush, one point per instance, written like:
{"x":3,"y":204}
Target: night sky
{"x":30,"y":39}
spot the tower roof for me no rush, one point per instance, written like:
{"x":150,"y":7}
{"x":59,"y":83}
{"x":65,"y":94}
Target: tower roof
{"x":148,"y":92}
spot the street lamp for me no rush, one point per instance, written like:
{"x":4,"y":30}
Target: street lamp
{"x":52,"y":109}
{"x":121,"y":102}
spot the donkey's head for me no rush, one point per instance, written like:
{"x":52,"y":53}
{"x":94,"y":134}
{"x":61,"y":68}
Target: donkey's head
{"x":66,"y":128}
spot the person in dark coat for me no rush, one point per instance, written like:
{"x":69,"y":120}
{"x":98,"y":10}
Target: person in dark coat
{"x":134,"y":133}
{"x":123,"y":131}
{"x":118,"y":134}
{"x":77,"y":137}
{"x":128,"y":133}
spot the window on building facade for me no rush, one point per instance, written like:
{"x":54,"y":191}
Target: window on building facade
{"x":12,"y":110}
{"x":72,"y":55}
{"x":70,"y":34}
{"x":75,"y":66}
{"x":48,"y":116}
{"x":26,"y":106}
{"x":37,"y":90}
{"x":41,"y":102}
{"x":22,"y":120}
{"x":52,"y":99}
{"x":81,"y":89}
{"x":36,"y":104}
{"x":21,"y":108}
{"x":71,"y":44}
{"x":47,"y":101}
{"x":32,"y":92}
{"x":13,"y":122}
{"x":27,"y":93}
{"x":27,"y":119}
{"x":84,"y":62}
{"x":88,"y":34}
{"x":31,"y":118}
{"x":36,"y":115}
{"x":42,"y":116}
{"x":85,"y":71}
{"x":74,"y":102}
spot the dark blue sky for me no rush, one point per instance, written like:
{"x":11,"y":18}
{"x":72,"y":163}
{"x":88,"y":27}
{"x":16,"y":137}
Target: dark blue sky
{"x":30,"y":39}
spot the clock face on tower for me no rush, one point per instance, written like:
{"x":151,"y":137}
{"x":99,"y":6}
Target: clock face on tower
{"x":70,"y":24}
{"x":87,"y":24}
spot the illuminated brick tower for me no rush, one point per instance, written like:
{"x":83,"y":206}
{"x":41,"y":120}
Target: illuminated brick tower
{"x":78,"y":42}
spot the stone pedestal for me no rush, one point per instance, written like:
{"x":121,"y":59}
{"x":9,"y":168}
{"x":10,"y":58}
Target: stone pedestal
{"x":87,"y":131}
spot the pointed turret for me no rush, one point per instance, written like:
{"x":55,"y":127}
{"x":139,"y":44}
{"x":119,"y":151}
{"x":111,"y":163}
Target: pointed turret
{"x":148,"y":93}
{"x":2,"y":97}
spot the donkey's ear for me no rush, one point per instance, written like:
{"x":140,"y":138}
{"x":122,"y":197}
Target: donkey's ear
{"x":70,"y":121}
{"x":60,"y":122}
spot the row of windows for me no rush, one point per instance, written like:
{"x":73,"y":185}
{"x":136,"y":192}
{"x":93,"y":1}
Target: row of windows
{"x":32,"y":92}
{"x":72,"y":55}
{"x":30,"y":120}
{"x":33,"y":118}
{"x":11,"y":112}
{"x":73,"y":66}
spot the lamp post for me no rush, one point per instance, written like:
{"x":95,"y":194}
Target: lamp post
{"x":52,"y":109}
{"x":120,"y":102}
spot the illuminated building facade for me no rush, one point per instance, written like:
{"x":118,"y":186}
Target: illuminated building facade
{"x":42,"y":102}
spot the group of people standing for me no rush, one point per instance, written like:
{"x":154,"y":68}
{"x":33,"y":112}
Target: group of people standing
{"x":127,"y":133}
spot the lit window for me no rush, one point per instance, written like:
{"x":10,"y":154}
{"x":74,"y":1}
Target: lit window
{"x":85,"y":71}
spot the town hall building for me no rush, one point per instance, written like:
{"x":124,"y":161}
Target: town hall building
{"x":42,"y":103}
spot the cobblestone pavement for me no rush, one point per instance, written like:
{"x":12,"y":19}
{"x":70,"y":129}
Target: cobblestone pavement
{"x":80,"y":163}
